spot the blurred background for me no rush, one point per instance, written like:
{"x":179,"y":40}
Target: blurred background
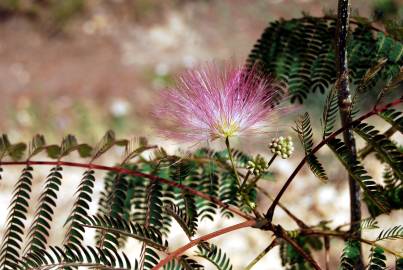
{"x":86,"y":66}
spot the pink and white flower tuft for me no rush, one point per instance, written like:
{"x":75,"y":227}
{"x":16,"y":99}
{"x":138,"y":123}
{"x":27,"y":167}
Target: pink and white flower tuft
{"x":210,"y":103}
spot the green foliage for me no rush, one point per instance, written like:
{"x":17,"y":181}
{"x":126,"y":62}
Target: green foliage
{"x":216,"y":256}
{"x":75,"y":231}
{"x":369,"y":224}
{"x":351,"y":253}
{"x":385,"y":149}
{"x":297,"y":52}
{"x":11,"y":245}
{"x":359,"y":174}
{"x":151,"y":258}
{"x":393,"y":233}
{"x":291,"y":259}
{"x":188,"y":225}
{"x":14,"y":151}
{"x":394,"y":117}
{"x":38,"y":232}
{"x":330,"y":112}
{"x":149,"y":235}
{"x":377,"y":259}
{"x":77,"y":255}
{"x":301,"y":53}
{"x":135,"y":207}
{"x":304,"y":130}
{"x":183,"y":263}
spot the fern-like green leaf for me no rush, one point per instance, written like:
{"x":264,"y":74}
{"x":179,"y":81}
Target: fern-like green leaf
{"x":304,"y":130}
{"x":70,"y":144}
{"x":151,"y":258}
{"x":216,"y":256}
{"x":104,"y":239}
{"x":107,"y":142}
{"x":359,"y":174}
{"x":351,"y":254}
{"x":393,"y":233}
{"x":369,"y":224}
{"x":377,"y":259}
{"x":301,"y":53}
{"x":228,"y":192}
{"x":393,"y":117}
{"x":41,"y":224}
{"x":330,"y":112}
{"x":291,"y":259}
{"x":386,"y":149}
{"x":183,"y":263}
{"x":208,"y":184}
{"x":73,"y":256}
{"x":80,"y":209}
{"x":14,"y":231}
{"x":188,"y":225}
{"x":120,"y":226}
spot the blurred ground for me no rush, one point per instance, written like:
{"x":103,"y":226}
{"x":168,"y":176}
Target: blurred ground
{"x":96,"y":65}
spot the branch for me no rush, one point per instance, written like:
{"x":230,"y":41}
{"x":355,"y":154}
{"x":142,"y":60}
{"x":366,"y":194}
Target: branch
{"x":344,"y":102}
{"x":326,"y":240}
{"x":299,"y":222}
{"x":369,"y":148}
{"x":134,"y":173}
{"x":347,"y":235}
{"x":281,"y":233}
{"x":270,"y":211}
{"x":206,"y":237}
{"x":262,"y":254}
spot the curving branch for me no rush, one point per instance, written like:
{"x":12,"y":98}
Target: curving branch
{"x":134,"y":173}
{"x":347,"y":235}
{"x":206,"y":237}
{"x":270,"y":211}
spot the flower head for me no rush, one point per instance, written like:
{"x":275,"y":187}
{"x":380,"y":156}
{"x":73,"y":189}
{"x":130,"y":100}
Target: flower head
{"x":210,"y":103}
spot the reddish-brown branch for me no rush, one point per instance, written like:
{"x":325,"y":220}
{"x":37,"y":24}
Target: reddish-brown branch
{"x":279,"y":232}
{"x":206,"y":237}
{"x":134,"y":173}
{"x":270,"y":211}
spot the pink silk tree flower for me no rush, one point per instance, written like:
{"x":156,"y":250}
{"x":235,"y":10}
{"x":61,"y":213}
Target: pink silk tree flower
{"x":208,"y":103}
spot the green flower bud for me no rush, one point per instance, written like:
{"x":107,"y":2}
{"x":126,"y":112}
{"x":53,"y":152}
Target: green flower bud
{"x":257,"y":165}
{"x":282,"y":146}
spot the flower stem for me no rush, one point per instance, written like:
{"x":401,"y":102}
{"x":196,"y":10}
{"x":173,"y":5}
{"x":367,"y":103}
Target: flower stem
{"x":245,"y":199}
{"x":231,"y":158}
{"x":271,"y":160}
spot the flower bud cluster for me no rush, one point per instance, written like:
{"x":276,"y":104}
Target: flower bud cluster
{"x":257,"y":166}
{"x":282,"y":146}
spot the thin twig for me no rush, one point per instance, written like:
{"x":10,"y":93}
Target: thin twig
{"x":369,"y":148}
{"x":347,"y":235}
{"x":262,"y":254}
{"x":327,"y":251}
{"x":206,"y":237}
{"x":298,"y":221}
